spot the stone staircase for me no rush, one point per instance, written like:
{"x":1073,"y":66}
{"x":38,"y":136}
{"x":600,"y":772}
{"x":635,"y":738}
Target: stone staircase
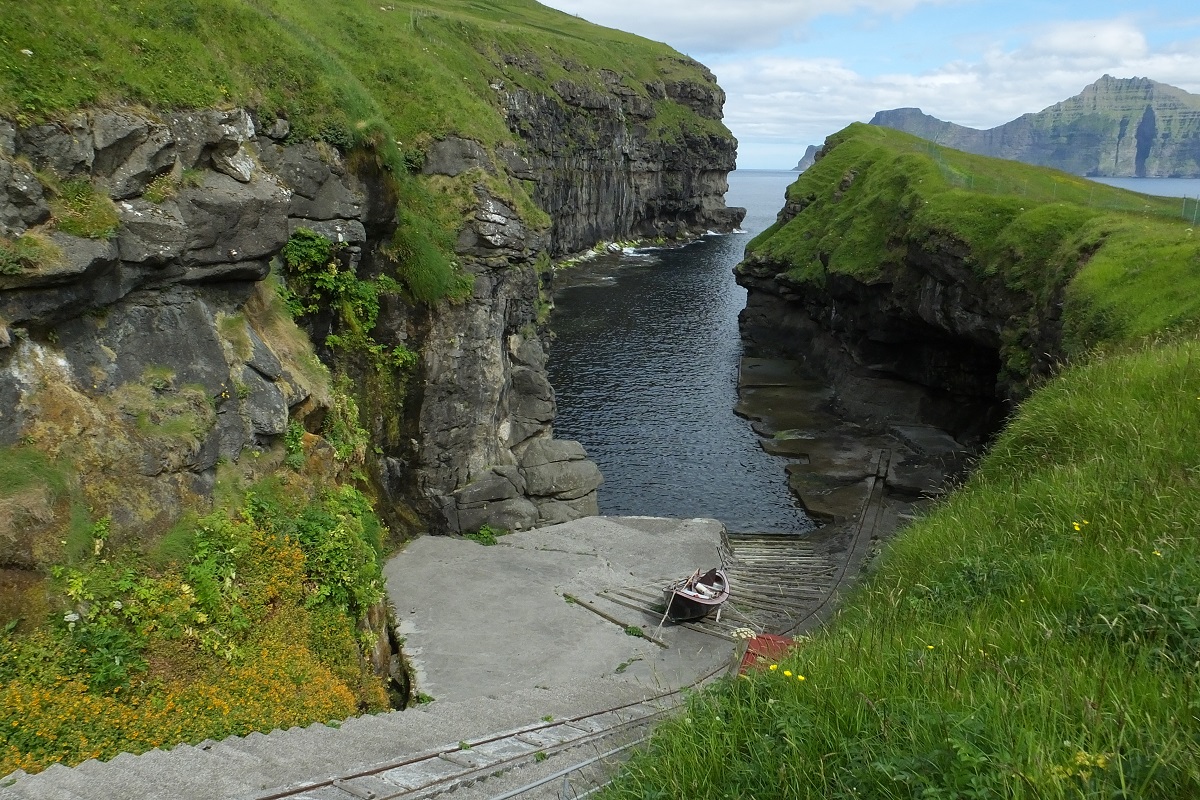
{"x":416,"y":753}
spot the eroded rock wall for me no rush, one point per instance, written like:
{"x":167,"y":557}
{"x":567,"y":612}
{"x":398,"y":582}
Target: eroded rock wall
{"x":930,"y":324}
{"x":144,"y":355}
{"x":150,"y":320}
{"x":604,"y":170}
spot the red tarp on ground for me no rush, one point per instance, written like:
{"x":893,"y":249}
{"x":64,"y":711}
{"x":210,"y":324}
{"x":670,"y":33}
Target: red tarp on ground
{"x":764,"y":650}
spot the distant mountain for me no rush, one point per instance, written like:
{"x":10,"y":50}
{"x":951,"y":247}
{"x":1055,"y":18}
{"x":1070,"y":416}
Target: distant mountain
{"x":810,"y":156}
{"x":1118,"y":127}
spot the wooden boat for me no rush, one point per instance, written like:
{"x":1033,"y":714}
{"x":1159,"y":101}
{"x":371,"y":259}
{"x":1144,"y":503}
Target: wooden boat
{"x":696,"y":596}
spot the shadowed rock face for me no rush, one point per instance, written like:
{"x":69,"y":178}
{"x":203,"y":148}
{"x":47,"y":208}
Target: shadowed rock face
{"x":1119,"y":127}
{"x":929,"y":324}
{"x":602,"y":174}
{"x":146,"y":314}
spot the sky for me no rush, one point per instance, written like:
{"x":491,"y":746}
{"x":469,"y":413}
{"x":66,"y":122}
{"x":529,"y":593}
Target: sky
{"x":795,"y":71}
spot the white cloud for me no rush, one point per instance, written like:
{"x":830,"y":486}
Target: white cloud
{"x":1103,"y":38}
{"x":774,"y":100}
{"x":719,"y":26}
{"x":1010,"y":60}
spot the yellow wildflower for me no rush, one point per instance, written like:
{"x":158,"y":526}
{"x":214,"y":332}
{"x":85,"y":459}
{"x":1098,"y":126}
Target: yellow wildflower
{"x":787,"y":673}
{"x":774,"y":667}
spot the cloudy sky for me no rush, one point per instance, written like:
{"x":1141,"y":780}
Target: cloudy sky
{"x":798,"y":70}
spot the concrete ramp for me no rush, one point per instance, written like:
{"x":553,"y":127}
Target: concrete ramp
{"x":521,"y":678}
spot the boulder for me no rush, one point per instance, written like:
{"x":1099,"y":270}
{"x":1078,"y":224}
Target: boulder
{"x":533,"y":397}
{"x":22,"y":201}
{"x":278,"y":130}
{"x":79,"y":258}
{"x":65,"y":147}
{"x":321,"y":188}
{"x":263,"y":404}
{"x":149,"y":233}
{"x":547,"y":451}
{"x":262,"y":360}
{"x":200,"y":134}
{"x":514,"y":514}
{"x":236,"y":163}
{"x":555,"y":512}
{"x":485,"y":490}
{"x":115,"y":135}
{"x":228,"y":221}
{"x":155,"y":156}
{"x":453,"y":156}
{"x":563,"y":480}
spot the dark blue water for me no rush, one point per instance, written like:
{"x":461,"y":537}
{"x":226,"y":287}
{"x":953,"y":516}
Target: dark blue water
{"x":645,"y":364}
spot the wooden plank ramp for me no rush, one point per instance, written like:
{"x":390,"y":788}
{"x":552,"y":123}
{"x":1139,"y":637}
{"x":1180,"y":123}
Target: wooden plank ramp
{"x":779,"y":582}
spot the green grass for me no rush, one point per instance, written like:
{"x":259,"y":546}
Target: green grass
{"x":320,"y":65}
{"x":27,"y":253}
{"x":1036,"y":636}
{"x":78,"y":209}
{"x":1128,"y":264}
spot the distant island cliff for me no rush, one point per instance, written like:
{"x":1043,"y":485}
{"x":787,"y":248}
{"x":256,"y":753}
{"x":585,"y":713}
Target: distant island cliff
{"x":1115,"y":127}
{"x":810,"y":156}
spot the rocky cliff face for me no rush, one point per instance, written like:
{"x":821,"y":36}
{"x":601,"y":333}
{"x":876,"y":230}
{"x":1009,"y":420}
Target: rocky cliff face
{"x":1120,"y":127}
{"x":601,"y":172}
{"x":605,"y":170}
{"x":149,"y":351}
{"x":929,"y":320}
{"x":808,"y":159}
{"x":929,"y":326}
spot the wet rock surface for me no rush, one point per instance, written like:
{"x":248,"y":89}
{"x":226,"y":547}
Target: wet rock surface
{"x":832,"y":454}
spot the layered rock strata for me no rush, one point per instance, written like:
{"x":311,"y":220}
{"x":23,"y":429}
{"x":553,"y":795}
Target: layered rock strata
{"x":919,"y":343}
{"x":157,"y":319}
{"x":603,"y":170}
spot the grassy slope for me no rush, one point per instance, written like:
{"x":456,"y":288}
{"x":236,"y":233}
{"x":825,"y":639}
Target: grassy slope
{"x":1038,"y":634}
{"x":421,"y":69}
{"x":352,"y":72}
{"x":1129,"y":261}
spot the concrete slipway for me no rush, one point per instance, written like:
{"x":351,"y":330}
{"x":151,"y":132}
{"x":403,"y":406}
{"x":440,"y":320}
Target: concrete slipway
{"x":494,"y":641}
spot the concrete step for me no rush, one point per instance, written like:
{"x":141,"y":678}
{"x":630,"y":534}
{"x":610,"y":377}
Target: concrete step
{"x":257,"y":764}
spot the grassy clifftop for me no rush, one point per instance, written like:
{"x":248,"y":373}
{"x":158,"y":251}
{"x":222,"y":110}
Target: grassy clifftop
{"x":1128,"y":262}
{"x":1037,"y":634}
{"x":349,"y":71}
{"x":385,"y":79}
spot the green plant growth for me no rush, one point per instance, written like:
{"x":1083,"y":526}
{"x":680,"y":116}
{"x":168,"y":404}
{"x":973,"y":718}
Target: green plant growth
{"x":1124,"y":263}
{"x":486,"y":535}
{"x":317,"y":280}
{"x":37,"y":491}
{"x":161,"y":189}
{"x":342,"y":427}
{"x":1035,"y":636}
{"x":78,"y":209}
{"x":293,"y":445}
{"x":28,"y":253}
{"x":249,"y":621}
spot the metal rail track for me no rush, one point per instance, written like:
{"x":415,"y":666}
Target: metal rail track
{"x":782,"y":584}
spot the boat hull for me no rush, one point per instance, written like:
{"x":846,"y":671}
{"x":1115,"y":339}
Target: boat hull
{"x":684,"y":605}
